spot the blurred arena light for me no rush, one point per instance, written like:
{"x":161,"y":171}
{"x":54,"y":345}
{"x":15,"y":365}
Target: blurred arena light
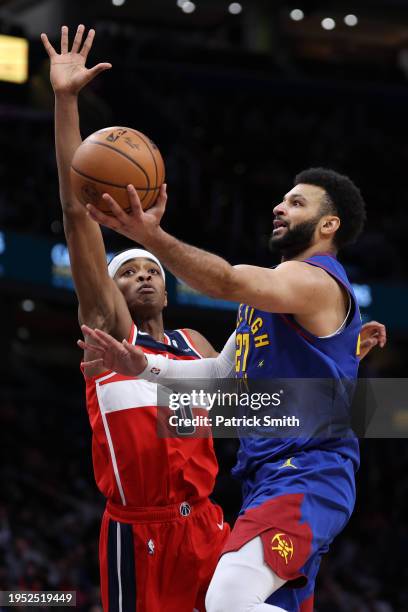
{"x":235,"y":8}
{"x":28,"y":305}
{"x":118,"y":2}
{"x":188,"y":7}
{"x":328,"y":23}
{"x":13,"y":59}
{"x":351,"y":20}
{"x":297,"y":14}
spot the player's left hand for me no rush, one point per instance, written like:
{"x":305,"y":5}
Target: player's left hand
{"x":138,"y":225}
{"x":123,"y":358}
{"x":372,"y":334}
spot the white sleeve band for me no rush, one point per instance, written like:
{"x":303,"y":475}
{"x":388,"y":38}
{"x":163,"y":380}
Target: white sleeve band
{"x":223,"y":366}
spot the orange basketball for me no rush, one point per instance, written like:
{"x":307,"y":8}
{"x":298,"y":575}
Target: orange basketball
{"x":112,"y":158}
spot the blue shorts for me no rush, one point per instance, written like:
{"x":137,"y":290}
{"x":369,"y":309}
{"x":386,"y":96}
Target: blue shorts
{"x":297,"y":506}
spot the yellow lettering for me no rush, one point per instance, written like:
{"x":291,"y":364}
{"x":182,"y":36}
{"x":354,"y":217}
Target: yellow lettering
{"x":256,"y":325}
{"x":358,"y":345}
{"x":261,"y":340}
{"x":241,"y":353}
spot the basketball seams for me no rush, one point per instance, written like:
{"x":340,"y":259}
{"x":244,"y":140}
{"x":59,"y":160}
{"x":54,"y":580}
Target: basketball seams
{"x":140,"y":135}
{"x":143,"y":168}
{"x":95,"y":180}
{"x":103,"y":144}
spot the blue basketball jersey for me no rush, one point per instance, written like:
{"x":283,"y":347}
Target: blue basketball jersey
{"x":272,"y":346}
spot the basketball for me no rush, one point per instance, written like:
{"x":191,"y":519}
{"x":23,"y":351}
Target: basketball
{"x":112,"y":158}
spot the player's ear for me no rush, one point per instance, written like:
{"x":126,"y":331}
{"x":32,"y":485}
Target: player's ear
{"x":330,"y":225}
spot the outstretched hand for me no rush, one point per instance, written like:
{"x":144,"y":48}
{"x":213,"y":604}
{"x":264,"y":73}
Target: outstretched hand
{"x":372,"y":334}
{"x":68,"y":71}
{"x":138,"y":225}
{"x":123,"y":358}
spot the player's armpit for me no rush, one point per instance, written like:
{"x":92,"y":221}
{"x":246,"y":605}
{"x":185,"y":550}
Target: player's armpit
{"x":200,"y":343}
{"x":292,"y":287}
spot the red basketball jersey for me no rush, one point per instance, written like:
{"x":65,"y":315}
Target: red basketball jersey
{"x":132,"y":465}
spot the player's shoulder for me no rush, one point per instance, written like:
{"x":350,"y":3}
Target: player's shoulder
{"x":200,"y":343}
{"x":303,"y":272}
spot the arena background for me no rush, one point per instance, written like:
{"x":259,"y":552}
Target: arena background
{"x":238,"y":101}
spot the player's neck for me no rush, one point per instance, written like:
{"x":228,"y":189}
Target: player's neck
{"x":315,"y":249}
{"x":154,"y":327}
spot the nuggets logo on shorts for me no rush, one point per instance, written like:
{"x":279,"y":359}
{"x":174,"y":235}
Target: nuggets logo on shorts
{"x":283,"y":546}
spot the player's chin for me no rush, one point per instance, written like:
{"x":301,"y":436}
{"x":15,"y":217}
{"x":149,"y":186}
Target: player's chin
{"x":275,"y":241}
{"x":146,"y":298}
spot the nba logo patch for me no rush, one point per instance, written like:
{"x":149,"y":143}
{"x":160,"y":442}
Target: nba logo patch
{"x":150,"y":547}
{"x":185,"y":509}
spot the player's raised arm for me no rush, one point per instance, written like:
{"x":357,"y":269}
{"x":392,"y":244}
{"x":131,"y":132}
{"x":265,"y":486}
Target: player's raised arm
{"x":292,"y":287}
{"x":130,"y":360}
{"x":101,"y":302}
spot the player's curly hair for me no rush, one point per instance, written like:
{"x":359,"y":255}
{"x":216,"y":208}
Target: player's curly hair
{"x":343,"y":198}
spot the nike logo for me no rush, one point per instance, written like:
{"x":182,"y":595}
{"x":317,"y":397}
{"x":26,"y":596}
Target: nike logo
{"x":220,"y":525}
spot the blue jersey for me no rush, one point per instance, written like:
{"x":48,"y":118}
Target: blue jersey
{"x":274,"y":346}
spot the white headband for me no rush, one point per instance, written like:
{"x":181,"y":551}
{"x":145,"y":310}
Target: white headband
{"x":122,"y":258}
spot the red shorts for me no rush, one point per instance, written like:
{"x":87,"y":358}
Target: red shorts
{"x":155,"y":559}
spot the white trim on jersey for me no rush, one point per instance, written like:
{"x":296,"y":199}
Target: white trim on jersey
{"x":126,"y":394}
{"x":135,"y":332}
{"x":111,"y":449}
{"x":187,"y":341}
{"x":105,"y":377}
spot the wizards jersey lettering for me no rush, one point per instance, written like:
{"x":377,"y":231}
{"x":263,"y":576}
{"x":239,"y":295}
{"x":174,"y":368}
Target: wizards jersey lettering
{"x":274,"y":346}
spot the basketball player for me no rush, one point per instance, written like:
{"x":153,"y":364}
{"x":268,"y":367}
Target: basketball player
{"x":161,"y":536}
{"x":298,"y":320}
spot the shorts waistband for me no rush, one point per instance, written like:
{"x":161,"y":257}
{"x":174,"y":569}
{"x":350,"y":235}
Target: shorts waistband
{"x":154,"y":514}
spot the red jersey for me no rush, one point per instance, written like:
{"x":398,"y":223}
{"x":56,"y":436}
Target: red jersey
{"x":132,"y":465}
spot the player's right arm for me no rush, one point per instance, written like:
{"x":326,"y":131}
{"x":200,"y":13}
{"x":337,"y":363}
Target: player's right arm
{"x":100,"y":301}
{"x":130,"y":360}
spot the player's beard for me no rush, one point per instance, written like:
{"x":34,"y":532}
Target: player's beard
{"x":295,"y":240}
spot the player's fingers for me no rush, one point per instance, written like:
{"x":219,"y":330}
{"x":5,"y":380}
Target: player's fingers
{"x":131,"y":348}
{"x":134,"y":351}
{"x":382,"y":341}
{"x":88,"y":43}
{"x":90,"y":347}
{"x":117,"y":211}
{"x":101,"y":218}
{"x":369,"y":343}
{"x":78,"y":38}
{"x":382,"y":334}
{"x":160,"y":205}
{"x":64,"y":39}
{"x":47,"y":45}
{"x":107,"y":340}
{"x":93,"y":72}
{"x":93,"y":362}
{"x":134,"y":201}
{"x":97,"y":336}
